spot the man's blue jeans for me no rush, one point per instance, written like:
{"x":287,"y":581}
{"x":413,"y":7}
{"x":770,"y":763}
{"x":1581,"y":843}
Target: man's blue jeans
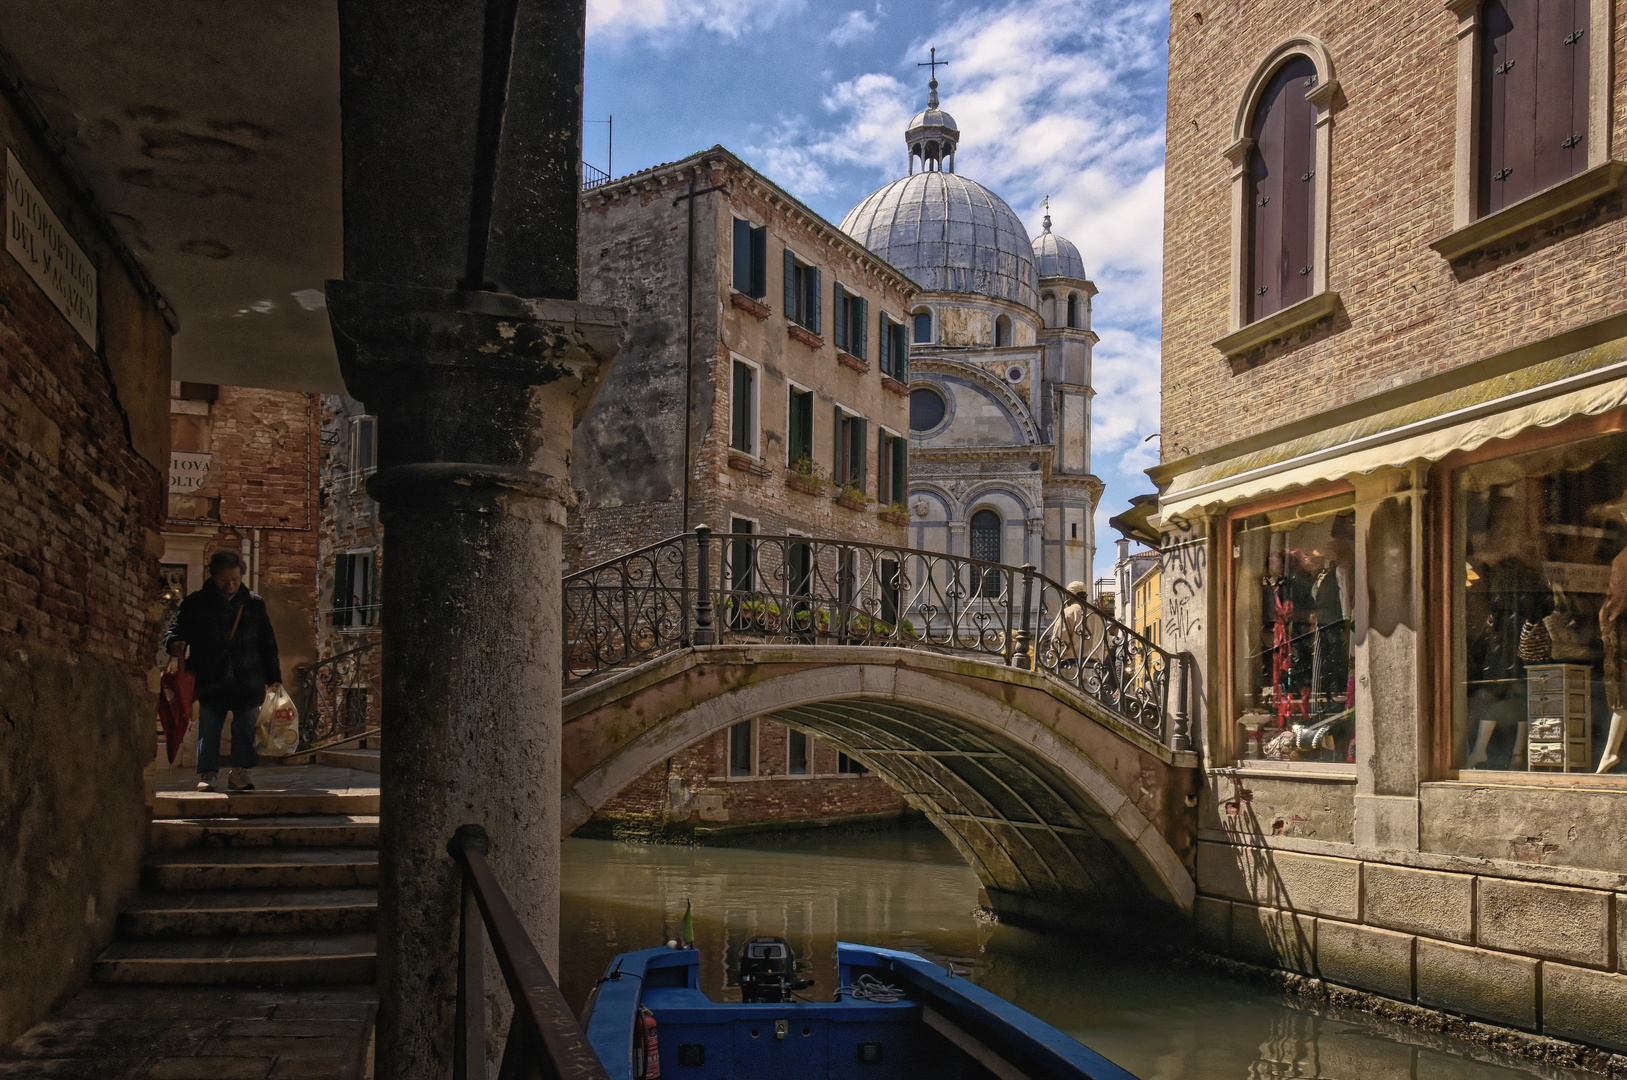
{"x":245,"y":710}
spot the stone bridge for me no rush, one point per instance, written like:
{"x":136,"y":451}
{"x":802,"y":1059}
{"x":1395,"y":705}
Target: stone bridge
{"x":1029,"y":727}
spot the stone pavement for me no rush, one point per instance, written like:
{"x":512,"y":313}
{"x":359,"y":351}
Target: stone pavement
{"x":201,"y":1033}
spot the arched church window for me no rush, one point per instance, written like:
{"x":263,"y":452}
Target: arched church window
{"x":1073,"y":310}
{"x":1002,"y":331}
{"x":923,"y":327}
{"x":985,"y":538}
{"x":1282,"y":198}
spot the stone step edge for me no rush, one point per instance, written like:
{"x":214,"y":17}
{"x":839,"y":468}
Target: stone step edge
{"x":201,"y":804}
{"x":334,"y":968}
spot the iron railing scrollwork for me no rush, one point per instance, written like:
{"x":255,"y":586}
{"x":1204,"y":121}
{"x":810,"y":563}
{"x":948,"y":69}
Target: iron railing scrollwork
{"x":545,"y":1042}
{"x":339,"y":698}
{"x":701,"y":588}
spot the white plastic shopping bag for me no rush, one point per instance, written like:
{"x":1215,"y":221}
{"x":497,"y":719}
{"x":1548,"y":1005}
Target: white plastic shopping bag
{"x":276,"y":732}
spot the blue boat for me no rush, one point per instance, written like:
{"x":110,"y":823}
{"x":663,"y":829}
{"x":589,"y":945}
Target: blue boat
{"x":896,"y":1016}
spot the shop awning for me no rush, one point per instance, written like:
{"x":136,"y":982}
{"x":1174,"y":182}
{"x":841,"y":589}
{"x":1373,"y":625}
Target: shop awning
{"x":1585,"y":383}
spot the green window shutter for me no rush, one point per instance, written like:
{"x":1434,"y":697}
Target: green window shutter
{"x":901,"y":479}
{"x":798,"y":433}
{"x":759,"y":262}
{"x":837,"y":472}
{"x":862,"y":338}
{"x":740,"y":408}
{"x":901,"y":352}
{"x":341,"y":590}
{"x":742,"y":255}
{"x":838,"y":312}
{"x":885,"y":346}
{"x":790,"y":285}
{"x":816,"y":319}
{"x":855,"y":449}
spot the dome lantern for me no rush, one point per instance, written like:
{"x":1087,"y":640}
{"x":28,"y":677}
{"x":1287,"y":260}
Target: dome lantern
{"x":933,"y":134}
{"x":1056,"y":256}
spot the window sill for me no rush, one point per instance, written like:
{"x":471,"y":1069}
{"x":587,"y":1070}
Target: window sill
{"x":746,"y":303}
{"x":1312,"y":309}
{"x":894,"y":386}
{"x":1338,"y":772}
{"x":804,"y":335}
{"x":1485,"y":235}
{"x":1521,"y":778}
{"x":743,"y":462}
{"x":848,"y":360}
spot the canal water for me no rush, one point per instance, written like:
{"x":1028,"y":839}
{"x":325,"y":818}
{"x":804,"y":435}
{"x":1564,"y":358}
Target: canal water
{"x":911,"y":890}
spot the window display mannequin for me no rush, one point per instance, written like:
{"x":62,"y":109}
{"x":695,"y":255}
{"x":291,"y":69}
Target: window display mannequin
{"x":1613,"y":629}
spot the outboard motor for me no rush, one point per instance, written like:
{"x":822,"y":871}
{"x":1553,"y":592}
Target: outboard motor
{"x":768,"y":971}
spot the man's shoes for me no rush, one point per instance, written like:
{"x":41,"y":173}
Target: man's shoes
{"x":238,"y":780}
{"x":208,"y":781}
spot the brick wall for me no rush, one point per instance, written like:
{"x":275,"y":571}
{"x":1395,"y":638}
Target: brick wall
{"x":691,"y":792}
{"x":1404,"y":315}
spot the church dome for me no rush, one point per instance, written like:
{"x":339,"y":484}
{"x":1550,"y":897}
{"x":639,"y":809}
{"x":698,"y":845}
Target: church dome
{"x":950,"y":234}
{"x":1057,"y":256}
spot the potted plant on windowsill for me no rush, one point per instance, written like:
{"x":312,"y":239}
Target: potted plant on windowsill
{"x":806,"y":476}
{"x":852,"y":496}
{"x":894,"y":514}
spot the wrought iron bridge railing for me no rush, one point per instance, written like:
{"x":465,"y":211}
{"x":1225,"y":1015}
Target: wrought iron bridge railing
{"x":704,"y":589}
{"x":339,"y":698}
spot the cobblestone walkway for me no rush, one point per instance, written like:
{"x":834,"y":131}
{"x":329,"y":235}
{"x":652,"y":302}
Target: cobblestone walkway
{"x":201,"y":1033}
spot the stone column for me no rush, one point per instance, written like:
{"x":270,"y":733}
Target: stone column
{"x":457,"y":325}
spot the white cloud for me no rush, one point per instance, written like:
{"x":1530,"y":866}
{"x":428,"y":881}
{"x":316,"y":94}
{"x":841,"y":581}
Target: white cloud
{"x":655,"y":20}
{"x":854,"y":25}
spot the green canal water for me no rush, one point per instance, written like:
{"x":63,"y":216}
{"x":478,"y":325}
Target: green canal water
{"x":910,"y":890}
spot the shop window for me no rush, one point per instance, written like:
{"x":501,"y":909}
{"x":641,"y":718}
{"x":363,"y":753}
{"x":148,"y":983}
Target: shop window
{"x":796,"y":752}
{"x":851,"y":326}
{"x":1534,"y":97}
{"x":1539,"y":611}
{"x":799,"y":422}
{"x":354,"y":580}
{"x":923,"y":327}
{"x":849,"y":766}
{"x":895,"y":348}
{"x":802,"y":295}
{"x":743,"y":408}
{"x":750,"y":259}
{"x":741,"y":757}
{"x":1293,"y":589}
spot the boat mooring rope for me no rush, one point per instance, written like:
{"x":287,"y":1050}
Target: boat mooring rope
{"x":870,"y":988}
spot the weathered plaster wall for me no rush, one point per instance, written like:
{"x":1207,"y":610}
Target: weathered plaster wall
{"x":83,"y":445}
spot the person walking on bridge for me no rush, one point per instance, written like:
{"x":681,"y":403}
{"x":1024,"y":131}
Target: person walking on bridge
{"x":233,"y":655}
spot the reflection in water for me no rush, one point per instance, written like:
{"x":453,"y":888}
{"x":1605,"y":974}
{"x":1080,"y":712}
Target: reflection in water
{"x":910,"y":890}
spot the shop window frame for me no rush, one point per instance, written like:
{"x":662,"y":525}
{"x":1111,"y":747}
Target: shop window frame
{"x":1440,"y":658}
{"x":1230,"y":737}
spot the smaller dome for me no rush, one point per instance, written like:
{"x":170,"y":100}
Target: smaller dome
{"x":935,"y":118}
{"x":1057,"y":256}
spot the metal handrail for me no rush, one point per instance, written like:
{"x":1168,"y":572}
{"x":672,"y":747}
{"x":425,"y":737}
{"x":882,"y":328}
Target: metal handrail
{"x":698,"y":588}
{"x":339,"y":697}
{"x":545,"y":1042}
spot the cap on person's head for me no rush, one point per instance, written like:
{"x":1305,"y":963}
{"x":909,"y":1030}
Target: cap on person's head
{"x":1078,"y":587}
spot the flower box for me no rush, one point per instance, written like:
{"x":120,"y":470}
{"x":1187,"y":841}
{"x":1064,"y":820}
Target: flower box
{"x":804,"y":335}
{"x":848,"y":360}
{"x":852,"y":501}
{"x":808,"y":485}
{"x":746,"y":303}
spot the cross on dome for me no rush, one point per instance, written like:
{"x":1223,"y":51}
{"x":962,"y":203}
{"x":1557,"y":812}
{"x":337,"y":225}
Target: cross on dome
{"x":933,"y":135}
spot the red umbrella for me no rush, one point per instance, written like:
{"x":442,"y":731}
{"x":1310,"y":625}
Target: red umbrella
{"x":175,"y":689}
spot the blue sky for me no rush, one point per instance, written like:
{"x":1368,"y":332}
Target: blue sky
{"x":1054,"y":97}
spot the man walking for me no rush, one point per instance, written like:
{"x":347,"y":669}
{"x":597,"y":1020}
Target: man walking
{"x":233,"y":658}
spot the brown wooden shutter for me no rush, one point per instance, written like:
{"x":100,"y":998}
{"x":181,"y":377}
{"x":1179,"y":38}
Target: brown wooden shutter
{"x":1534,"y":89}
{"x":1281,"y":191}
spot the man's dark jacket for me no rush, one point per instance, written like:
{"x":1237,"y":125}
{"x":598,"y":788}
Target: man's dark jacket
{"x":236,"y":669}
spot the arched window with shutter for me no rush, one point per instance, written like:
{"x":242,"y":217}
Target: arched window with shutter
{"x":1533,"y":79}
{"x":1280,"y":155}
{"x":1282,"y":208}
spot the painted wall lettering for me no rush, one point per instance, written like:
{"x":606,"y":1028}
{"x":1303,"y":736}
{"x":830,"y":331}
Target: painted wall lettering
{"x":36,"y":239}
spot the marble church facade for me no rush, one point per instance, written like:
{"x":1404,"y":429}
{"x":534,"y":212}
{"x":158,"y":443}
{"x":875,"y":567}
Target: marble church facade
{"x":1000,"y":364}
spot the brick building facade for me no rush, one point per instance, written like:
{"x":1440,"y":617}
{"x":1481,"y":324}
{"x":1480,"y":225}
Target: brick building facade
{"x":84,"y":443}
{"x":1391,"y":507}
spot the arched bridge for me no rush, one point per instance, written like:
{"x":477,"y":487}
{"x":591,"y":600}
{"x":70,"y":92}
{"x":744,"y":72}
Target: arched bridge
{"x":1045,"y":739}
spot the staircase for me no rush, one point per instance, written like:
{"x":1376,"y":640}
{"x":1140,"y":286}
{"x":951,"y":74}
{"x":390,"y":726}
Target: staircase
{"x":277,"y":886}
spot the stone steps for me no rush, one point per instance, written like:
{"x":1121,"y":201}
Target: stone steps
{"x":362,"y":760}
{"x":267,"y":887}
{"x":260,"y":868}
{"x":240,"y":958}
{"x":249,"y":911}
{"x":294,"y":830}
